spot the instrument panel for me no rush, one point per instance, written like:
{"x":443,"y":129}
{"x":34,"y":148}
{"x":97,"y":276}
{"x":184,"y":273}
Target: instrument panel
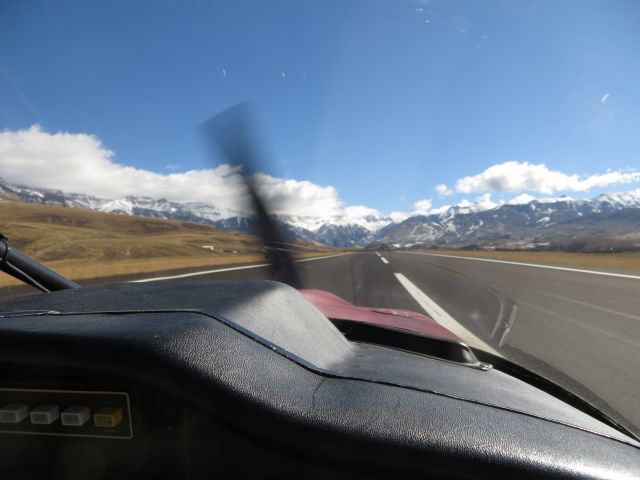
{"x":76,"y":413}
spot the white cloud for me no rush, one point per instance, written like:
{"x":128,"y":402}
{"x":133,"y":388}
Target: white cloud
{"x":80,"y":163}
{"x":296,"y":197}
{"x":521,"y":199}
{"x":439,"y":210}
{"x":524,"y":176}
{"x":480,"y":204}
{"x":366,"y":217}
{"x":360,"y":211}
{"x":604,"y":98}
{"x":422,"y":207}
{"x":561,"y":198}
{"x":526,"y":198}
{"x":399,"y":216}
{"x":442,"y":190}
{"x":484,"y":202}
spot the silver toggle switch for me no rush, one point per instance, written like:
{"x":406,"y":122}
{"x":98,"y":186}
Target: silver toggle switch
{"x":76,"y":416}
{"x":45,"y":414}
{"x":14,"y":413}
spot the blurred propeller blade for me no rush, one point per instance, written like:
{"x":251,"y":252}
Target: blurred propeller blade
{"x":233,"y":133}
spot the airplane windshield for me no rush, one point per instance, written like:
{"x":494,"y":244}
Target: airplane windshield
{"x":474,"y":162}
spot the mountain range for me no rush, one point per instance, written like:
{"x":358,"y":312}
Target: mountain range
{"x":608,"y":221}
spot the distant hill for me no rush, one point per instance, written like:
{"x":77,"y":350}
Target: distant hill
{"x":333,"y":231}
{"x":82,"y":243}
{"x":604,"y":222}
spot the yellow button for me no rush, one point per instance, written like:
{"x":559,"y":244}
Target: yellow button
{"x":107,"y":417}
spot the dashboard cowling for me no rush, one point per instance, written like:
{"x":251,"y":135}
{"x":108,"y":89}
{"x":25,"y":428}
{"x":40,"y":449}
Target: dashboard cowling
{"x":280,"y":371}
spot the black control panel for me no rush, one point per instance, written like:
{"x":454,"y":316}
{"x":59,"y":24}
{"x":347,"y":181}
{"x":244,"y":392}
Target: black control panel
{"x":98,"y":414}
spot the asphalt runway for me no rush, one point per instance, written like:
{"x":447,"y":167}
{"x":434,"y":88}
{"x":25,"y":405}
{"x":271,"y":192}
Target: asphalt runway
{"x":578,"y":328}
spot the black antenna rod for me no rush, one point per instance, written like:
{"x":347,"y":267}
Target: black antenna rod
{"x":29,"y":271}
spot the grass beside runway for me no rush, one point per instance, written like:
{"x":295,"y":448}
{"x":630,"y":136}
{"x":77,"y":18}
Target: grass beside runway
{"x":82,"y":244}
{"x":628,"y":262}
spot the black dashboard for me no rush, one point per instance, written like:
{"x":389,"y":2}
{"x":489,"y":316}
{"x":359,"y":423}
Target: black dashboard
{"x":192,"y":380}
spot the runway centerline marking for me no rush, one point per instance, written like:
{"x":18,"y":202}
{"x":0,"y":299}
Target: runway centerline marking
{"x":384,"y":260}
{"x":441,"y":316}
{"x":535,"y":265}
{"x":228,"y":269}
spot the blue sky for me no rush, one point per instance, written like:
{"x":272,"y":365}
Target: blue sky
{"x":381,"y":100}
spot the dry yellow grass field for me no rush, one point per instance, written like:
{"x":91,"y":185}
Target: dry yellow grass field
{"x":83,"y":244}
{"x":599,"y":261}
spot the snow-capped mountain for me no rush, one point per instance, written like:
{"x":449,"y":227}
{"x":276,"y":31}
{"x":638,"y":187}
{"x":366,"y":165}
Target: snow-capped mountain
{"x":536,"y":223}
{"x":518,"y":224}
{"x":357,"y":227}
{"x":614,"y":201}
{"x":348,"y":230}
{"x":131,"y":205}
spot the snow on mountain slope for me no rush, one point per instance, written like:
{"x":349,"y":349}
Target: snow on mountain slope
{"x":517,"y":224}
{"x":619,"y":200}
{"x":523,"y":221}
